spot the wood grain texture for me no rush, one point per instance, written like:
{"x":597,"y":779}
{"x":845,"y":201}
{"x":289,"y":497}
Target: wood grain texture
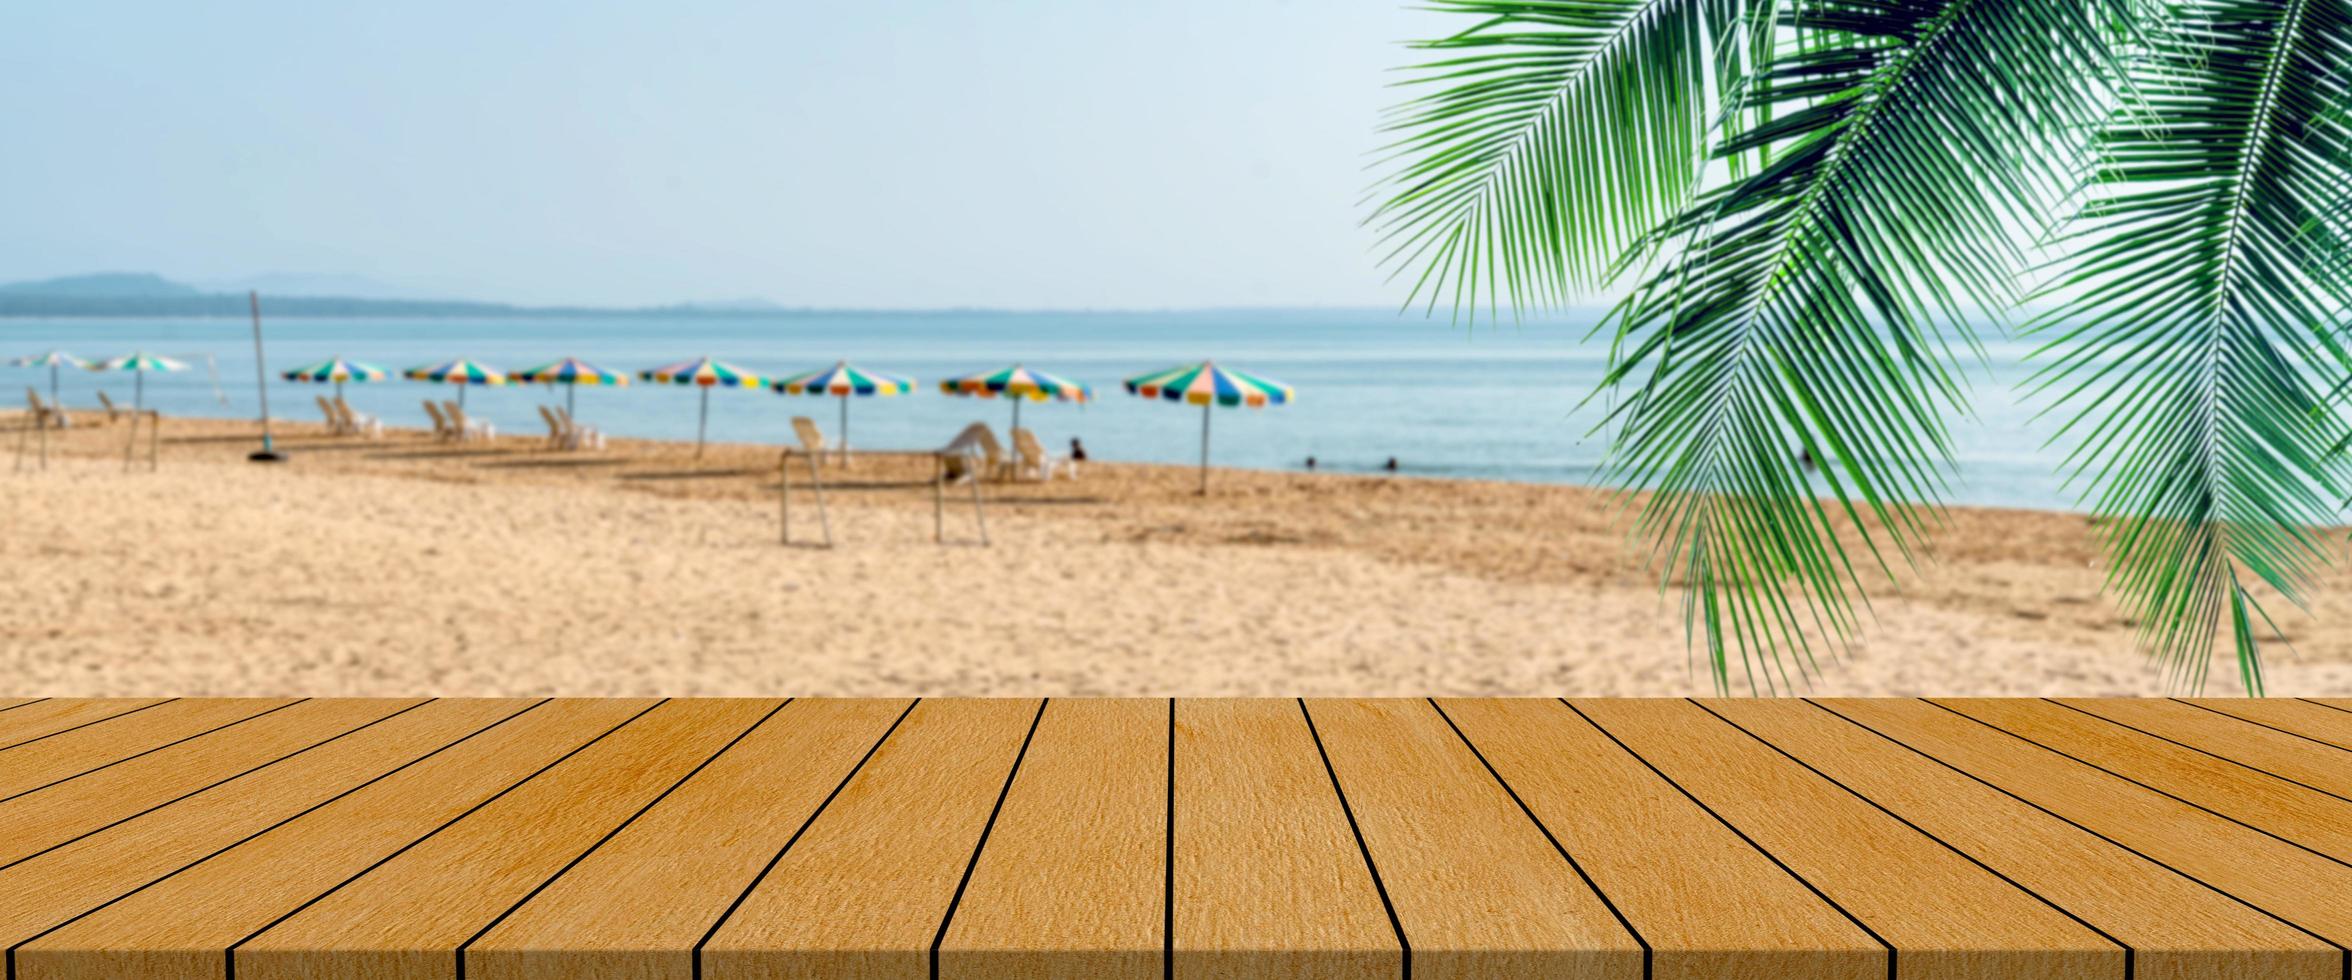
{"x":52,"y":815}
{"x":2317,"y":722}
{"x":7,"y":703}
{"x":697,"y":849}
{"x":2290,"y":882}
{"x":2178,"y":928}
{"x":1269,"y":882}
{"x":1710,"y":906}
{"x":1945,"y":916}
{"x":2322,"y":767}
{"x":37,"y":721}
{"x":77,"y":752}
{"x":1477,"y":888}
{"x":862,"y":895}
{"x":1072,"y":882}
{"x":181,"y":928}
{"x":2313,"y":819}
{"x":409,"y":916}
{"x":51,"y":889}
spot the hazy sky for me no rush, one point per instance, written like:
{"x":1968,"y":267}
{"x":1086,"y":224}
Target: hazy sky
{"x":1019,"y":153}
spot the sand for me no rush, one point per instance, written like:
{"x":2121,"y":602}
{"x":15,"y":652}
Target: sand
{"x":402,"y":567}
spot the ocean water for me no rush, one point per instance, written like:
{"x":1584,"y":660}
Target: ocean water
{"x":1489,"y":401}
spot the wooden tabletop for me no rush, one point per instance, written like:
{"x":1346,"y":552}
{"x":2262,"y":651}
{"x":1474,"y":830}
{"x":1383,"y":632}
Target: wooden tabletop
{"x":850,"y":839}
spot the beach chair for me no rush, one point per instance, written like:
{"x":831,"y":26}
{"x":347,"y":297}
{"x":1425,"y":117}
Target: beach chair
{"x":45,"y":414}
{"x":812,"y":439}
{"x":1033,"y":459}
{"x":577,"y":436}
{"x":113,"y":412}
{"x":975,"y":454}
{"x":557,"y":436}
{"x":335,"y":425}
{"x":468,"y":429}
{"x":441,"y":428}
{"x":359,"y":423}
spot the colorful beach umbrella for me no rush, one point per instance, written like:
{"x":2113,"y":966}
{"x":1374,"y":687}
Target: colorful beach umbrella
{"x":52,"y":360}
{"x":463,"y":373}
{"x":571,"y":372}
{"x":706,"y":374}
{"x":842,"y":381}
{"x":1209,"y":386}
{"x":1019,"y":384}
{"x":336,"y":371}
{"x":139,"y":364}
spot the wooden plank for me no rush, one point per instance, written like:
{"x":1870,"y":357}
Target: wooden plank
{"x":863,"y":894}
{"x":2317,"y":722}
{"x":1478,"y":891}
{"x":1073,"y":881}
{"x":7,"y":703}
{"x":1268,"y":881}
{"x":2314,"y":764}
{"x":38,"y":721}
{"x":48,"y":891}
{"x":409,"y":916}
{"x":696,"y":849}
{"x":45,"y":818}
{"x":2178,"y":928}
{"x":179,"y":927}
{"x":75,"y":753}
{"x":2276,"y":876}
{"x":2312,"y":819}
{"x":1943,"y":915}
{"x":1710,"y":906}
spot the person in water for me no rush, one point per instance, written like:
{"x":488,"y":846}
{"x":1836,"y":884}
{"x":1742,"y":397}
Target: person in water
{"x":1391,"y":465}
{"x":1077,"y":450}
{"x":1310,"y":462}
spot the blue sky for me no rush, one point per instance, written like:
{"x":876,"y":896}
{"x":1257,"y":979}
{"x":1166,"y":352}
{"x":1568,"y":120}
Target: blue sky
{"x":914,"y":153}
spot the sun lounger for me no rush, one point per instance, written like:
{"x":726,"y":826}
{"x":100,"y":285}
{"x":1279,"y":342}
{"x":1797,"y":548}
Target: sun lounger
{"x":974,"y":454}
{"x":441,"y":427}
{"x":812,"y":439}
{"x":46,"y":415}
{"x":335,"y":426}
{"x":557,"y":435}
{"x":468,"y":429}
{"x":1034,"y":460}
{"x":577,"y":436}
{"x":113,"y":412}
{"x":359,"y":423}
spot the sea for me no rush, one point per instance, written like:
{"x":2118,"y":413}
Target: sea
{"x":1488,"y":400}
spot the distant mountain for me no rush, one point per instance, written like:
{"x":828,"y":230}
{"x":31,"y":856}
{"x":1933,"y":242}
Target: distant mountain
{"x":104,"y":285}
{"x":310,"y":284}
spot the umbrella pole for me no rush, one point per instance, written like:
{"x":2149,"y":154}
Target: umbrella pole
{"x":1016,"y":416}
{"x":1204,"y":487}
{"x":571,"y":396}
{"x":461,"y":396}
{"x":702,"y":427}
{"x":138,"y":390}
{"x":53,"y":399}
{"x":844,"y":453}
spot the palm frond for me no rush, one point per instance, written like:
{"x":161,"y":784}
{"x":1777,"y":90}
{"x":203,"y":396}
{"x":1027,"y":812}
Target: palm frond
{"x":2200,"y":339}
{"x":1557,"y":133}
{"x":1819,"y":307}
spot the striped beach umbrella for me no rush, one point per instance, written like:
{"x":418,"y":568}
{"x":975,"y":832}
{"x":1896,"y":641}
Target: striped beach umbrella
{"x":52,"y":360}
{"x":570,"y":372}
{"x":336,"y":371}
{"x":1019,"y":384}
{"x":139,"y":364}
{"x":706,"y":374}
{"x":842,"y":381}
{"x":463,"y":373}
{"x":1209,"y":386}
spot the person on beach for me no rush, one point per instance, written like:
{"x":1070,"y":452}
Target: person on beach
{"x":1391,"y":465}
{"x":1077,"y":450}
{"x":1310,"y":462}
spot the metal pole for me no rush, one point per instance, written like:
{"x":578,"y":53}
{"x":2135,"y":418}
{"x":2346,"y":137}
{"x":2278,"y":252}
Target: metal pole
{"x":154,"y":440}
{"x":261,"y":369}
{"x":844,"y":430}
{"x":461,"y":387}
{"x":138,"y":392}
{"x":1016,"y":414}
{"x":1204,"y":488}
{"x":53,"y":399}
{"x":702,"y":428}
{"x":571,"y":394}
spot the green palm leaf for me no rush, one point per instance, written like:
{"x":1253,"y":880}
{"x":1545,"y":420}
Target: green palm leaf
{"x":2201,"y":332}
{"x":1818,"y":305}
{"x":1558,"y":132}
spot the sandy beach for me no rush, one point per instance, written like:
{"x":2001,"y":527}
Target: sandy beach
{"x":401,"y":566}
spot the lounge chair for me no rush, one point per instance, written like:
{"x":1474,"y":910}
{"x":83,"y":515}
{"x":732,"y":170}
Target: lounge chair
{"x":557,"y":435}
{"x":442,"y":430}
{"x":46,"y":415}
{"x":1033,"y":459}
{"x":975,"y":454}
{"x":359,"y":423}
{"x":812,"y":439}
{"x":113,"y":411}
{"x":468,"y":429}
{"x":577,"y":436}
{"x":335,"y":425}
